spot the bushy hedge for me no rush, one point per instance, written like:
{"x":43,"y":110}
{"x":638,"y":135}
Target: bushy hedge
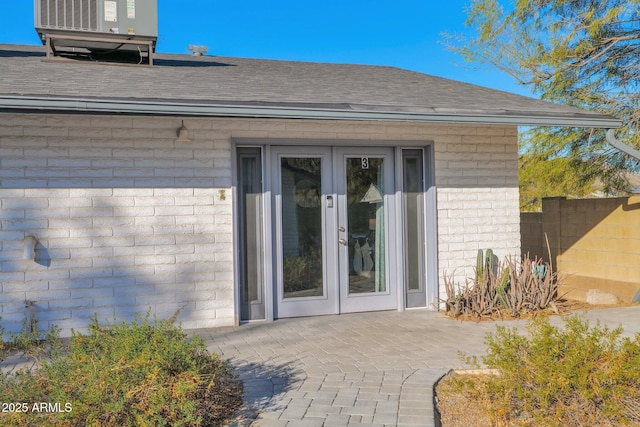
{"x":141,"y":373}
{"x":576,"y":376}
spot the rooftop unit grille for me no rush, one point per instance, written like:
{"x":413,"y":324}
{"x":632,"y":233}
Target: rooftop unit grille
{"x":98,"y":30}
{"x":69,"y":14}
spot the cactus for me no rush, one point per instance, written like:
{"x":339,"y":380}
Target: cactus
{"x":479,"y":266}
{"x":489,"y":263}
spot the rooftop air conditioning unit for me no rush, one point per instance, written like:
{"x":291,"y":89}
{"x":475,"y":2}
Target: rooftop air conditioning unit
{"x":97,"y":25}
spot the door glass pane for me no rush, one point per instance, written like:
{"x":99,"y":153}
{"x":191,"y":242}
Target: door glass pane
{"x":413,"y":207}
{"x":302,"y":242}
{"x":250,"y":232}
{"x":366,"y":225}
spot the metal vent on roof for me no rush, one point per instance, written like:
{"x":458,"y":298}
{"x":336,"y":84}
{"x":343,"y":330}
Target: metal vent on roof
{"x":69,"y":14}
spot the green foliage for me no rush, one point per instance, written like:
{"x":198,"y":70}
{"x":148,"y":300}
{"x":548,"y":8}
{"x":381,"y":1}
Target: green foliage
{"x":28,"y":341}
{"x":553,"y":164}
{"x":581,"y":53}
{"x":572,"y":376}
{"x":540,"y":177}
{"x":127,"y":374}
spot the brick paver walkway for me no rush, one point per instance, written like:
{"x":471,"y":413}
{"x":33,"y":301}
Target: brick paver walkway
{"x":374,"y":369}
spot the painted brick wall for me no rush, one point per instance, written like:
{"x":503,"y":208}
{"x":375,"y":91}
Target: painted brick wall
{"x":478,"y":206}
{"x":129,"y":220}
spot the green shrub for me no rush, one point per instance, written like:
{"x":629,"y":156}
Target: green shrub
{"x":136,"y":374}
{"x":572,"y":376}
{"x":28,"y":341}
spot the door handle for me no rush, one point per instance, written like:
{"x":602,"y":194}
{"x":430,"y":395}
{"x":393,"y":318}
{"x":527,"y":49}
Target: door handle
{"x":342,"y":242}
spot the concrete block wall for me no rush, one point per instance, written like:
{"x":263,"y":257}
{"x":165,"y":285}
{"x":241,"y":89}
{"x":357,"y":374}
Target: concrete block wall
{"x":595,"y":244}
{"x":128,"y":219}
{"x":532,"y":235}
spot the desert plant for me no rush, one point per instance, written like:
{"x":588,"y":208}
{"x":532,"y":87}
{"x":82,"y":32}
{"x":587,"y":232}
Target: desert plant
{"x":479,"y":271}
{"x":489,"y":263}
{"x":502,"y":285}
{"x":126,"y":374}
{"x":576,"y":375}
{"x":511,"y":286}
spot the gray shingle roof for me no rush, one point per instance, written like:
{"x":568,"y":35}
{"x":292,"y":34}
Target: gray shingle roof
{"x":184,"y":84}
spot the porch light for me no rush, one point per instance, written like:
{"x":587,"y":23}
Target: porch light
{"x":183,"y":134}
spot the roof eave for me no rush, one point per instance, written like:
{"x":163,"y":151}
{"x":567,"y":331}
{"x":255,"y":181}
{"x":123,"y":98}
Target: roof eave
{"x":145,"y":107}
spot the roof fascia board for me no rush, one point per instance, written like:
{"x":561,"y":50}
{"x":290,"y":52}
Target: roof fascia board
{"x":216,"y":110}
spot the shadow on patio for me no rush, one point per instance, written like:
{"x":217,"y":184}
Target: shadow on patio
{"x":265,"y":386}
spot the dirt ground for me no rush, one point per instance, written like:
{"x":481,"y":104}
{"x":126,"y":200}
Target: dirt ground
{"x":460,"y":409}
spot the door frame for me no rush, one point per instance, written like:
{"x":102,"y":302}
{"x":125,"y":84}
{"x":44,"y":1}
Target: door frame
{"x":430,"y":201}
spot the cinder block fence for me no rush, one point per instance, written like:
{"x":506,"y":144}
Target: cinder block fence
{"x":594,"y":243}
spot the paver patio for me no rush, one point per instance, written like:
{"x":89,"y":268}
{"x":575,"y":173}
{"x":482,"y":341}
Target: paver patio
{"x":374,"y":369}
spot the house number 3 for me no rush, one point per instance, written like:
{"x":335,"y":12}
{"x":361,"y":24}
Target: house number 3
{"x":365,"y":162}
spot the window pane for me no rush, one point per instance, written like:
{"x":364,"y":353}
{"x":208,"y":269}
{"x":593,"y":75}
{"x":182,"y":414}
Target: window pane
{"x":302,"y":242}
{"x":365,"y":217}
{"x":250,"y":233}
{"x":413,"y":200}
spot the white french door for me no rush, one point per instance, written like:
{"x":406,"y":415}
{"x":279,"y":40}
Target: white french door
{"x":366,"y":244}
{"x":332,"y":211}
{"x":305,"y":274}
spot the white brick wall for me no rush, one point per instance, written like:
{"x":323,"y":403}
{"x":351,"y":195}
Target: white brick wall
{"x":129,"y":220}
{"x":126,"y":221}
{"x":478,"y":207}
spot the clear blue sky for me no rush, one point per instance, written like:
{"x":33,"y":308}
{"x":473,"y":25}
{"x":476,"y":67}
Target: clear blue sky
{"x":401,"y":33}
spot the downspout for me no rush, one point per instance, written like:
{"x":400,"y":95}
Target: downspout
{"x":611,"y":139}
